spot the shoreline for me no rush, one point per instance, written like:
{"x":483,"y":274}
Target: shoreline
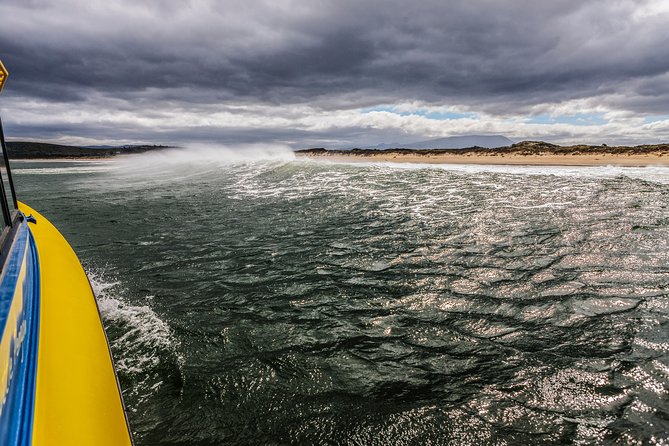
{"x":510,"y":159}
{"x":617,"y":160}
{"x":525,"y":153}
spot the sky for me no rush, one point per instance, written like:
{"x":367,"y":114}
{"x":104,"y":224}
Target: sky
{"x":335,"y":73}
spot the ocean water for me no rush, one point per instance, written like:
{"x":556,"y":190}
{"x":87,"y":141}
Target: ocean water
{"x":251,"y":298}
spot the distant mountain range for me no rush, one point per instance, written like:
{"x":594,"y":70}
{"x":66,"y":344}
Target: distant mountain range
{"x":452,"y":142}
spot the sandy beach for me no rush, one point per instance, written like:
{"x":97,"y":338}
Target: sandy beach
{"x":501,"y":159}
{"x":530,"y":153}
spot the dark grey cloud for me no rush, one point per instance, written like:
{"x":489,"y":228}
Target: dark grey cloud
{"x":334,"y":138}
{"x":498,"y":58}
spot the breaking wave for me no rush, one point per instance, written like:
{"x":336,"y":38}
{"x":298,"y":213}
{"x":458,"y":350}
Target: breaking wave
{"x":144,"y":336}
{"x":205,"y":155}
{"x":143,"y":345}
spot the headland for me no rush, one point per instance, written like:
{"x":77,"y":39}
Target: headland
{"x":40,"y":150}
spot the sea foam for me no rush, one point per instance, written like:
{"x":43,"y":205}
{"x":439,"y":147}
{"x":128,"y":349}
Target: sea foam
{"x":145,"y":336}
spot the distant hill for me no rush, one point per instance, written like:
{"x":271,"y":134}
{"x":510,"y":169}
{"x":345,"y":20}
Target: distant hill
{"x":460,"y":142}
{"x":453,"y":142}
{"x":32,"y":150}
{"x":100,"y":147}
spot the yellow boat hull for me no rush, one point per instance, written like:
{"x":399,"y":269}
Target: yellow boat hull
{"x":77,"y":397}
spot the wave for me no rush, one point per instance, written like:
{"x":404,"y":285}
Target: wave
{"x":184,"y":165}
{"x":657,"y":174}
{"x":138,"y":336}
{"x":197,"y":155}
{"x":87,"y":168}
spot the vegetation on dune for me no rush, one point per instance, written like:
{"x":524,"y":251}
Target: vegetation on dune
{"x":521,"y":148}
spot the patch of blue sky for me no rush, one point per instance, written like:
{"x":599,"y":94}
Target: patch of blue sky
{"x":436,"y":115}
{"x":443,"y":115}
{"x":655,"y":118}
{"x":575,"y":119}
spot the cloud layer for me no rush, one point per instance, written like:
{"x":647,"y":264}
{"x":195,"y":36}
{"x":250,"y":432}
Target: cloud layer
{"x":335,"y":72}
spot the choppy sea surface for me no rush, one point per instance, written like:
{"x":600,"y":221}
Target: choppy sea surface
{"x":251,"y":298}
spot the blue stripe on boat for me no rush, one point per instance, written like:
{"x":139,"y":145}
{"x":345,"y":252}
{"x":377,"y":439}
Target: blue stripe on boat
{"x":17,"y":400}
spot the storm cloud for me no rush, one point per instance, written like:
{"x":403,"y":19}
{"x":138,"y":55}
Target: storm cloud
{"x":335,"y":72}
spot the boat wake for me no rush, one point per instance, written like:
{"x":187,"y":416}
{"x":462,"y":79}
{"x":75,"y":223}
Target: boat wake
{"x":144,"y":336}
{"x":145,"y":351}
